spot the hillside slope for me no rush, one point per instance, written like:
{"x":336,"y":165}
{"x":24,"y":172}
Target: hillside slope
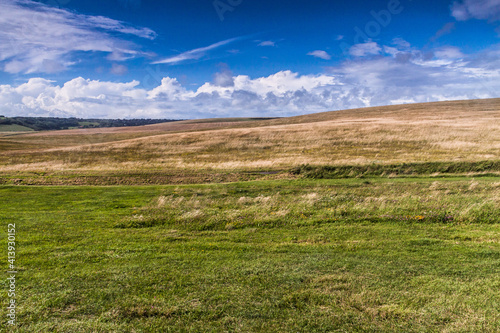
{"x":444,"y":131}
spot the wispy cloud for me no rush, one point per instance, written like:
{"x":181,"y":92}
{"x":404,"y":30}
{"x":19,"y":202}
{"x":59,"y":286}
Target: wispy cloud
{"x":39,"y":38}
{"x":118,"y":69}
{"x":446,"y":29}
{"x":449,"y":52}
{"x":114,"y":25}
{"x":320,"y":54}
{"x":476,"y":9}
{"x":267,"y":43}
{"x":364,"y":49}
{"x":196,"y":54}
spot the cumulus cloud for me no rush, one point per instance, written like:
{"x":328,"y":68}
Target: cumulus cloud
{"x":399,"y":74}
{"x":36,"y":38}
{"x":476,"y":9}
{"x":320,"y":54}
{"x":224,"y":78}
{"x":281,"y":93}
{"x":169,"y":90}
{"x":76,"y":97}
{"x":278,"y":84}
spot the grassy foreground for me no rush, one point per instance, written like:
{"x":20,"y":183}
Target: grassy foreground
{"x":333,"y":255}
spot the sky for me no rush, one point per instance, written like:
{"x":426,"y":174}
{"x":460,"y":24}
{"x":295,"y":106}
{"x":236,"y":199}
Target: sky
{"x":242,"y":58}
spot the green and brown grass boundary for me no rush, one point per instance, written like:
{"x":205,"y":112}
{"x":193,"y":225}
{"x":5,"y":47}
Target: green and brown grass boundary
{"x":432,"y":169}
{"x":169,"y":177}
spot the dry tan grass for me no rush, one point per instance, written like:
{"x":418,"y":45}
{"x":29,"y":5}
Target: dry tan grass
{"x":447,"y":131}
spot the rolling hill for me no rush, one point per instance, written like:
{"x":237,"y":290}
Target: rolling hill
{"x":457,"y":131}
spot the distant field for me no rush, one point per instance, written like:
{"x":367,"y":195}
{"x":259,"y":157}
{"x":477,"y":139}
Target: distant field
{"x":435,"y":132}
{"x":14,"y":128}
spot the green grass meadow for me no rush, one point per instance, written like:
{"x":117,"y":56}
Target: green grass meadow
{"x":304,"y":255}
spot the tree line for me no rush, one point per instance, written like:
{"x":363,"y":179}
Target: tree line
{"x":54,"y":123}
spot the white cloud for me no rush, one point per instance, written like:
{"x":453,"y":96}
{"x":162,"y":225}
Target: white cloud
{"x":195,"y":53}
{"x":320,"y":54}
{"x":39,"y":38}
{"x":364,"y":49}
{"x":410,"y":75}
{"x":476,"y":9}
{"x":281,"y":93}
{"x":402,"y":75}
{"x":278,"y":84}
{"x":401,"y":43}
{"x":267,"y":43}
{"x":449,"y":52}
{"x":170,"y":89}
{"x":224,"y":78}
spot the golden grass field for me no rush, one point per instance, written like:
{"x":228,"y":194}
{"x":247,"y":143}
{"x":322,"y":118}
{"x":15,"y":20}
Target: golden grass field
{"x":442,"y":131}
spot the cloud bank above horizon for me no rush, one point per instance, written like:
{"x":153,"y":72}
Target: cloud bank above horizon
{"x":397,"y":74}
{"x":64,"y":63}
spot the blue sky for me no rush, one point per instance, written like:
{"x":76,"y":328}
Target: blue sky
{"x":216,"y":58}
